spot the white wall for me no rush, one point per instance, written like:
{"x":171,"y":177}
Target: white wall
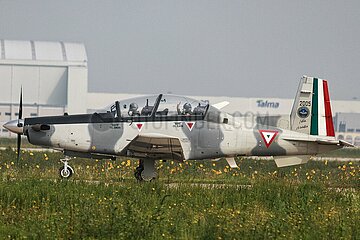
{"x":41,"y":84}
{"x":77,"y":90}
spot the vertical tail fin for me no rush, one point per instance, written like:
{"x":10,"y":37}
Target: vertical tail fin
{"x":311,"y":112}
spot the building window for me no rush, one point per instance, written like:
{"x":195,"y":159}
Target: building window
{"x":5,"y":130}
{"x":341,"y":137}
{"x":350,"y":130}
{"x":357,"y":141}
{"x":16,"y":114}
{"x":7,"y":114}
{"x":358,"y":130}
{"x":33,"y":114}
{"x":342,"y":126}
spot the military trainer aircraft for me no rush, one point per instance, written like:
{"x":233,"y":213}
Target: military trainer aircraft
{"x":179,"y":128}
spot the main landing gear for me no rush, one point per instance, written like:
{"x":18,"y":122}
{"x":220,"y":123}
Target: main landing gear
{"x":66,"y":171}
{"x":146,"y":170}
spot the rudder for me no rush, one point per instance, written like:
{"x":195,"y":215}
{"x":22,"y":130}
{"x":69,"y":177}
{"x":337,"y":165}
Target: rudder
{"x":311,"y":112}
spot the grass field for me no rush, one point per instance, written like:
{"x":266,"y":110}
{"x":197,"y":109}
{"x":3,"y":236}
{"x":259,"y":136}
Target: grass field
{"x":191,"y":200}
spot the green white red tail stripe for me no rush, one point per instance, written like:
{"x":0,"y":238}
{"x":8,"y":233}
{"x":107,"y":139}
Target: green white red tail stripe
{"x":321,"y":116}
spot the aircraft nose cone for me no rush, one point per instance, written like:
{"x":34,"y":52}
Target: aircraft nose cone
{"x":15,"y":126}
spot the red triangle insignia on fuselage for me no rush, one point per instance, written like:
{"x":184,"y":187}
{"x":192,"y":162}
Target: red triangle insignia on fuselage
{"x":139,"y":126}
{"x":190,"y":125}
{"x":268,"y":136}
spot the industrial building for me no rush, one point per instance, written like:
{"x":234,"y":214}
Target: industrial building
{"x":54,"y":77}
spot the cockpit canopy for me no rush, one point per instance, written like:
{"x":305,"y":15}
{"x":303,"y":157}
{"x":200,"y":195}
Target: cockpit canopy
{"x":159,"y":106}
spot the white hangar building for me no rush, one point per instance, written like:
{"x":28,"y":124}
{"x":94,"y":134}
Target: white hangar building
{"x":54,"y":77}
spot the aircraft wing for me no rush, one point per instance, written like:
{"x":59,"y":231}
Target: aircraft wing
{"x":157,"y":146}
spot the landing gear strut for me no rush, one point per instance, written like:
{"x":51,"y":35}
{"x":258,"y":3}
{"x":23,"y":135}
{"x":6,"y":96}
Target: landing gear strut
{"x":146,"y":170}
{"x":66,"y":171}
{"x":139,"y":170}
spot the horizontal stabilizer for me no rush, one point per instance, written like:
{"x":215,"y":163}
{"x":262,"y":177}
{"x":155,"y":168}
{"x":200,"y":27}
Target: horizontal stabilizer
{"x":329,"y":141}
{"x":284,"y":161}
{"x":346,"y":144}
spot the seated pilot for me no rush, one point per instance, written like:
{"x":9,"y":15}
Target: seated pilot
{"x":199,"y":110}
{"x":186,"y":109}
{"x":133,"y":110}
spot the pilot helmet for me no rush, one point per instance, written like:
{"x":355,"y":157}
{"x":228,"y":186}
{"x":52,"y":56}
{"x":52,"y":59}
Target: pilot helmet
{"x":187,"y":108}
{"x":133,"y":107}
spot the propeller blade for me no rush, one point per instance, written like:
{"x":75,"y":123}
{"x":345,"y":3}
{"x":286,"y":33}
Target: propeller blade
{"x":19,"y":125}
{"x":20,"y":106}
{"x":18,"y":146}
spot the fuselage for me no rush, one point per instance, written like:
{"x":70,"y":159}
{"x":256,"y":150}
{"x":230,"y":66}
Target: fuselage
{"x":161,"y":129}
{"x":199,"y":139}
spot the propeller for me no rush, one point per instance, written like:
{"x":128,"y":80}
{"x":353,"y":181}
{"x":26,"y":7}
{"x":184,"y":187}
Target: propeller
{"x":19,"y":124}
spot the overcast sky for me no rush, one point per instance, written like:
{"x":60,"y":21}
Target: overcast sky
{"x":222,"y":48}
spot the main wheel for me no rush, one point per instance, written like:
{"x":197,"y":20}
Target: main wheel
{"x":65,"y":173}
{"x":138,"y":172}
{"x":148,"y":178}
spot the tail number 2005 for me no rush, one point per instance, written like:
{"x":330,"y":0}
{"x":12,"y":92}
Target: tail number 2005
{"x":305,"y":103}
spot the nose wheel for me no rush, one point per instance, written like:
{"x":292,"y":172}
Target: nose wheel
{"x":66,"y":171}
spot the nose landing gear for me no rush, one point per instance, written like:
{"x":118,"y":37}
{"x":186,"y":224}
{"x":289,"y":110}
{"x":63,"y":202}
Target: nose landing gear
{"x":66,"y":171}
